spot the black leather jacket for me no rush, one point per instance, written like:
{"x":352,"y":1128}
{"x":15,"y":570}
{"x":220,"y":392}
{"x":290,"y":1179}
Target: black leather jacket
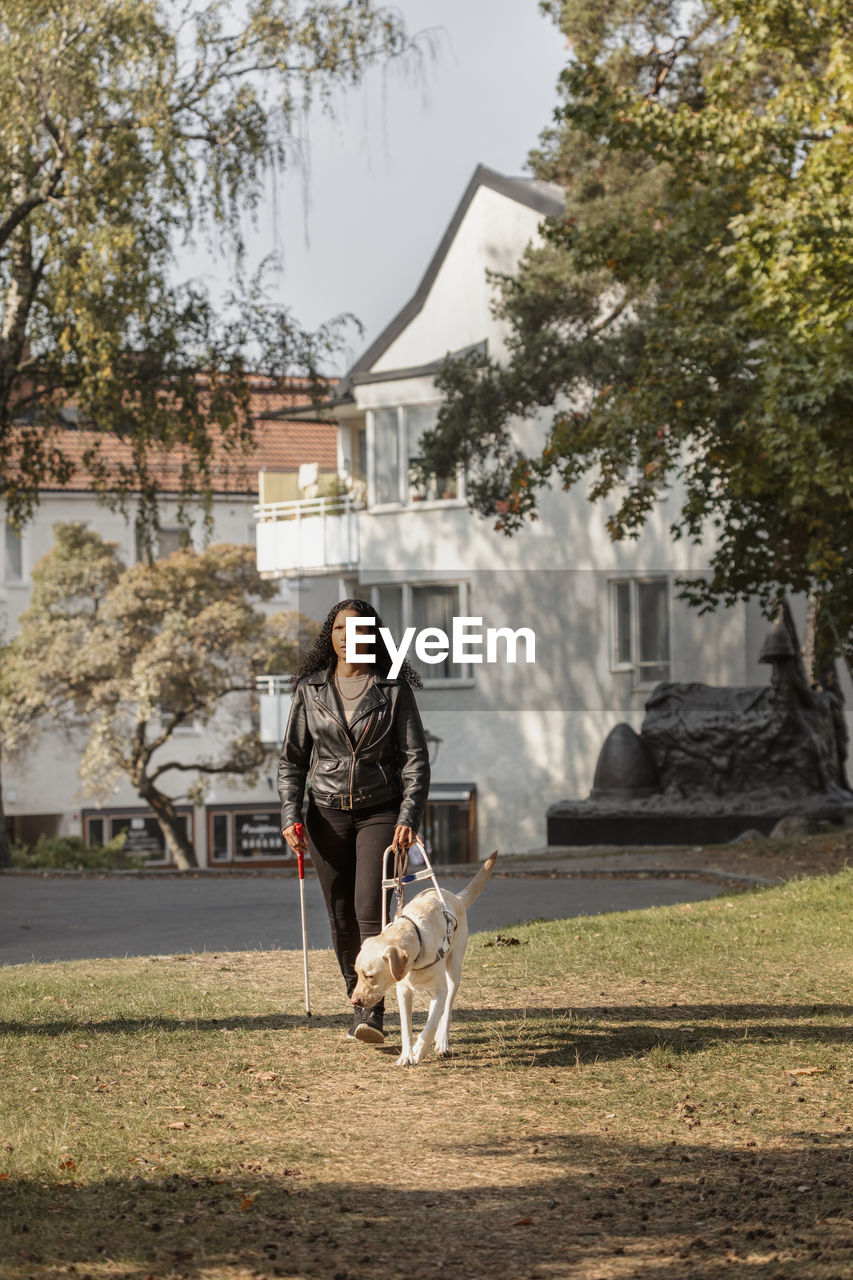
{"x":381,"y":755}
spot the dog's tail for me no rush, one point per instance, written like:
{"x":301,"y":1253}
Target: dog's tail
{"x":478,"y":884}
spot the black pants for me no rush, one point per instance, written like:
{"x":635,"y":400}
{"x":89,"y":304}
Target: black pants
{"x":346,"y":847}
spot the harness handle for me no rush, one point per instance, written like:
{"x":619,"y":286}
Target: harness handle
{"x":401,"y":867}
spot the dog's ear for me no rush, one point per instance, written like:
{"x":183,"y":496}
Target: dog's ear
{"x":398,"y":961}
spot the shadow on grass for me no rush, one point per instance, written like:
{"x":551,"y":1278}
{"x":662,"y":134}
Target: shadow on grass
{"x":553,"y":1037}
{"x":577,"y":1206}
{"x":113,"y":1026}
{"x":542,"y":1037}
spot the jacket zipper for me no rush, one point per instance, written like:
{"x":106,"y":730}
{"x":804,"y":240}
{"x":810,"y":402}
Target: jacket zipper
{"x":346,"y":735}
{"x":365,"y":739}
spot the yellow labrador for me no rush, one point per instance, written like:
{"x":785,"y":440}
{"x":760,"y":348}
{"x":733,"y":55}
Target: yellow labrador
{"x":422,"y":950}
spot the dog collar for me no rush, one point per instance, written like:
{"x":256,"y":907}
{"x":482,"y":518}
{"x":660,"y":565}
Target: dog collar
{"x":451,"y":925}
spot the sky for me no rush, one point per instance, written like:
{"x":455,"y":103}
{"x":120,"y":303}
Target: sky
{"x":357,"y":218}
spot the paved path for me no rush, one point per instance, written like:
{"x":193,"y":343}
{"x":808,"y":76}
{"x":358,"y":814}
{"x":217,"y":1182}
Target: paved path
{"x":55,"y":918}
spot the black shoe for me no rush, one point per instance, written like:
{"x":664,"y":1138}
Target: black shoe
{"x":369,"y":1029}
{"x":356,"y":1023}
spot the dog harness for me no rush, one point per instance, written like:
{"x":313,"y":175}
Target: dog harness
{"x":451,"y":924}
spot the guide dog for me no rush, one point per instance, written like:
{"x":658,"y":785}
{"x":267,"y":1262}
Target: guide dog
{"x":422,"y":950}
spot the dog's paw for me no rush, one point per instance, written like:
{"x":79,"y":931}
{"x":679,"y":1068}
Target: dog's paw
{"x":418,"y":1051}
{"x":442,"y":1047}
{"x":407,"y":1059}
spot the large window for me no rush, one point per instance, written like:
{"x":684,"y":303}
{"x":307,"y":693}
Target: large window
{"x":397,"y":435}
{"x":144,"y":837}
{"x":386,"y":456}
{"x":418,"y":419}
{"x":422,"y":605}
{"x":640,"y":641}
{"x":245,"y":833}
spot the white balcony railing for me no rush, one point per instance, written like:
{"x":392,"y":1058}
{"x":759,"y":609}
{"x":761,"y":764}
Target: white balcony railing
{"x":313,"y":535}
{"x":275,"y":694}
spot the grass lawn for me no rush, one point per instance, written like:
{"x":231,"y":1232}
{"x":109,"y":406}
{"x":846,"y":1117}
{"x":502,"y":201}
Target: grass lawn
{"x":664,"y":1093}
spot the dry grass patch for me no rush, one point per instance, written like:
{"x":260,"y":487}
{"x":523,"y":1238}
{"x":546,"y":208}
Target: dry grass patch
{"x":659,"y":1094}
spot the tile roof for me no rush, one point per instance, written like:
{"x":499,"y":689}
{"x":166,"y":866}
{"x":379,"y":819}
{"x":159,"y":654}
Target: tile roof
{"x":279,"y":445}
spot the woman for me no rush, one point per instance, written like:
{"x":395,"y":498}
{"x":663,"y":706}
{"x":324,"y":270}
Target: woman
{"x":356,"y":736}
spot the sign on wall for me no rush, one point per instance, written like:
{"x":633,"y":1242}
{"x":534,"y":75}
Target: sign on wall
{"x":257,"y":835}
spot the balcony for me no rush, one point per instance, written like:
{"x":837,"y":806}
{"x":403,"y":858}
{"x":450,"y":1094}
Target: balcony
{"x":312,"y":535}
{"x":275,"y":694}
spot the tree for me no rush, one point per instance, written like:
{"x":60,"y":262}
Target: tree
{"x":127,"y":124}
{"x":126,"y":656}
{"x":690,"y":319}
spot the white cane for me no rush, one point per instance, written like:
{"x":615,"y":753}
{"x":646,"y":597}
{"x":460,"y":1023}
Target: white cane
{"x":300,"y":859}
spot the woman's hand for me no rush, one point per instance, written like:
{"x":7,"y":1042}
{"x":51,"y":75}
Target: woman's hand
{"x":403,"y":837}
{"x":294,"y":835}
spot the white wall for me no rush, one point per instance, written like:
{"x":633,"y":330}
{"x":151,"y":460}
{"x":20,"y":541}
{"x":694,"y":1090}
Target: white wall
{"x":492,"y":236}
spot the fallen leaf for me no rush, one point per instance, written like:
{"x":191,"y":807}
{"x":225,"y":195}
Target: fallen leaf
{"x":246,"y":1203}
{"x":178,"y":1124}
{"x":266,"y":1076}
{"x":68,"y":1164}
{"x":803,"y":1071}
{"x":523,"y":1222}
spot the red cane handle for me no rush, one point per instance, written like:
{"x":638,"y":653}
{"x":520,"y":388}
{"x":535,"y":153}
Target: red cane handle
{"x":300,"y":857}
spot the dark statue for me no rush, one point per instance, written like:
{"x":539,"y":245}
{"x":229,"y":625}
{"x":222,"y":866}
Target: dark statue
{"x":711,"y":762}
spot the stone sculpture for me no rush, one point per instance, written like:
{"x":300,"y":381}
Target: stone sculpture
{"x":711,"y":762}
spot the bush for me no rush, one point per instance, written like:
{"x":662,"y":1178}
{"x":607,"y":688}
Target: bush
{"x":71,"y":853}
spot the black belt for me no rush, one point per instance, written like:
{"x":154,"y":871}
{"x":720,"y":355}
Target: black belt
{"x":345,"y":802}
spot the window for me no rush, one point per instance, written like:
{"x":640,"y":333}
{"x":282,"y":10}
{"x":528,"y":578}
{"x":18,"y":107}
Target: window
{"x":13,"y":558}
{"x":166,"y":541}
{"x":422,"y":605}
{"x":386,"y":455}
{"x":244,"y":833}
{"x":144,"y":837}
{"x":418,"y":420}
{"x":450,"y":821}
{"x":397,"y":435}
{"x":220,"y":845}
{"x":640,"y":628}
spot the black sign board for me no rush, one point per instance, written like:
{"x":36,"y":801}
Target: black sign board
{"x":258,"y":835}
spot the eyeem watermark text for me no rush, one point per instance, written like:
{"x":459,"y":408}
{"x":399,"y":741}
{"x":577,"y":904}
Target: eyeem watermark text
{"x":432,"y":645}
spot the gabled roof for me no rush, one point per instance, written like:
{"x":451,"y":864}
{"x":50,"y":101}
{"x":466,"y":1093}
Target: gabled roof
{"x":544,"y":197}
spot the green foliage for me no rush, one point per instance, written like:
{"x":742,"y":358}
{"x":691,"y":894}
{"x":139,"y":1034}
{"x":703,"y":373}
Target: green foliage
{"x":71,"y":853}
{"x":128,"y":125}
{"x":689,"y":322}
{"x":125,"y":657}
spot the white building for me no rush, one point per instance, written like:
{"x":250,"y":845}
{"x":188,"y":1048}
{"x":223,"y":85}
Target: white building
{"x":514,"y":738}
{"x":41,"y":788}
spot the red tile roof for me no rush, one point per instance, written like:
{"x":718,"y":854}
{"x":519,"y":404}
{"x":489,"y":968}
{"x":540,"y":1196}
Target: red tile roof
{"x":279,"y":445}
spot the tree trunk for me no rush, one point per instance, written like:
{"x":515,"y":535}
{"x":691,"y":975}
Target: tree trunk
{"x":810,"y":639}
{"x":172,"y":825}
{"x":821,"y":649}
{"x":5,"y":847}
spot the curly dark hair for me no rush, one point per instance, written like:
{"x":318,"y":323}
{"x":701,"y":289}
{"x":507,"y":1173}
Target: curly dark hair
{"x":321,"y":653}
